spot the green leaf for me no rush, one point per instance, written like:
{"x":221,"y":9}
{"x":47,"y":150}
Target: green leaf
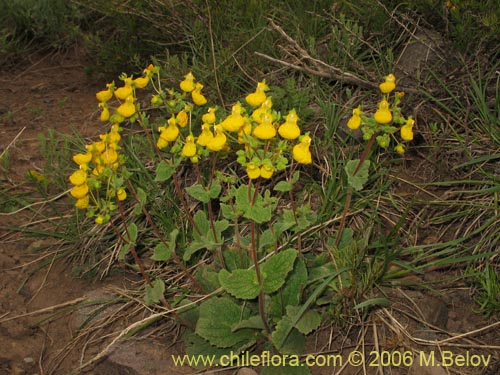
{"x":384,"y":302}
{"x":357,"y":180}
{"x":281,"y":331}
{"x":208,"y":279}
{"x":202,"y":223}
{"x":164,"y":171}
{"x":295,"y":343}
{"x":258,"y":213}
{"x":214,"y":190}
{"x":294,"y":285}
{"x":199,"y":193}
{"x":141,"y":201}
{"x":240,"y":283}
{"x":283,"y":186}
{"x":132,"y":233}
{"x":254,"y":322}
{"x":306,"y":323}
{"x":266,"y":238}
{"x":194,"y":247}
{"x":275,"y":269}
{"x":228,"y":211}
{"x":154,"y":293}
{"x":124,"y":251}
{"x":217,"y":317}
{"x":161,"y":253}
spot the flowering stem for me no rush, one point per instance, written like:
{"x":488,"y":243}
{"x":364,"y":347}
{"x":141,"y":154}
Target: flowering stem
{"x":347,"y":204}
{"x":158,"y":234}
{"x":178,"y":190}
{"x":143,"y":273}
{"x":255,"y":259}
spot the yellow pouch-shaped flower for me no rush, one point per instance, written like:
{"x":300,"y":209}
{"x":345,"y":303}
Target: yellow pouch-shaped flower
{"x":253,"y":171}
{"x":121,"y":194}
{"x":78,"y":177}
{"x":383,"y":115}
{"x":301,"y":153}
{"x":205,"y":136}
{"x":82,"y":202}
{"x":218,"y":142}
{"x":187,"y":85}
{"x":189,"y":148}
{"x":389,"y":85}
{"x":127,"y":109}
{"x":265,"y":130}
{"x":209,"y":117}
{"x":79,"y":191}
{"x":81,"y":159}
{"x":289,"y":129}
{"x":198,"y":98}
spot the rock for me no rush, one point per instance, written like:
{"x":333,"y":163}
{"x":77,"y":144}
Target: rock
{"x":416,"y":369}
{"x":246,"y":371}
{"x":435,"y":311}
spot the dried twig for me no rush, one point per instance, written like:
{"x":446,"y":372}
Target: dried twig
{"x":308,"y":64}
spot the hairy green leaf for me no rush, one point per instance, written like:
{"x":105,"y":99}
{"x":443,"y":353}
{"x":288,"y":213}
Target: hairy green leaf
{"x":357,"y":179}
{"x":240,"y":283}
{"x":217,"y":317}
{"x":275,"y":269}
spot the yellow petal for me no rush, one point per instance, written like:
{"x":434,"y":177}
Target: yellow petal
{"x":82,"y":158}
{"x":78,"y":177}
{"x":141,"y":82}
{"x":79,"y":191}
{"x":123,"y":92}
{"x":82,"y":202}
{"x":121,"y":194}
{"x":253,"y":171}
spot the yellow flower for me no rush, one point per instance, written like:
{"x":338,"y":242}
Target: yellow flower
{"x":218,"y":142}
{"x":125,"y":91}
{"x":141,"y":82}
{"x":78,"y":177}
{"x":258,"y":97}
{"x":79,"y":191}
{"x":121,"y":194}
{"x":407,"y":130}
{"x":289,"y":129}
{"x":355,"y":121}
{"x":187,"y":85}
{"x":189,"y":149}
{"x":205,"y":136}
{"x":263,"y":109}
{"x":246,"y":129}
{"x":161,"y":143}
{"x":209,"y":117}
{"x":170,"y":132}
{"x":266,"y":171}
{"x":99,"y":219}
{"x":182,"y":118}
{"x":389,"y":85}
{"x":265,"y":130}
{"x":301,"y":153}
{"x":400,"y":148}
{"x":235,"y":120}
{"x":383,"y":115}
{"x":81,"y":159}
{"x":198,"y":98}
{"x":127,"y":109}
{"x":104,"y":114}
{"x":253,"y":171}
{"x":82,"y":202}
{"x":109,"y":156}
{"x":104,"y":95}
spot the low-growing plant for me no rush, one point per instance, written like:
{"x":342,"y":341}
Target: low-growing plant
{"x":237,"y":234}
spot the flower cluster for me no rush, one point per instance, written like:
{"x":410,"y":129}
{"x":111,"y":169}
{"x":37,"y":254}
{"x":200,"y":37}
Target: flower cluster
{"x":98,"y":183}
{"x":187,"y":128}
{"x":252,"y":129}
{"x":98,"y":168}
{"x":387,"y":119}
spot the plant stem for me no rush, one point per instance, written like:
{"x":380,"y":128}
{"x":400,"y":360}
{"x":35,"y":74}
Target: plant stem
{"x":177,"y":186}
{"x":159,"y":235}
{"x":347,"y":204}
{"x":143,"y":273}
{"x":255,"y":258}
